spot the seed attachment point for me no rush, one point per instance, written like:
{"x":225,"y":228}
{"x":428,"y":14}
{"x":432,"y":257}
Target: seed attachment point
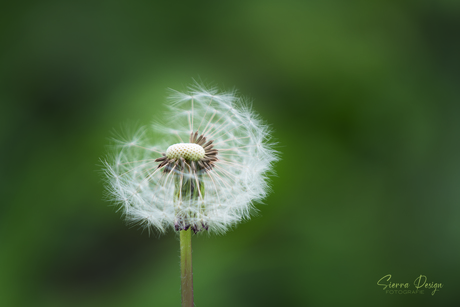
{"x":188,"y":151}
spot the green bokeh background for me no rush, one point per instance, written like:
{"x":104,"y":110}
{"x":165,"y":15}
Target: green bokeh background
{"x":363,"y":97}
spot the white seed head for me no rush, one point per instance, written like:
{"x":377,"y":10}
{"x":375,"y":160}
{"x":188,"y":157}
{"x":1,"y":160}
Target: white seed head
{"x":188,"y":151}
{"x":222,"y":174}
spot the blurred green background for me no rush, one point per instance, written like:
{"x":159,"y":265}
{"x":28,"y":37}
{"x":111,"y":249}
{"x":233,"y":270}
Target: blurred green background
{"x":363,"y":97}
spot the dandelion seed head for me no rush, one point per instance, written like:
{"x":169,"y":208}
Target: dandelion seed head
{"x":203,"y":168}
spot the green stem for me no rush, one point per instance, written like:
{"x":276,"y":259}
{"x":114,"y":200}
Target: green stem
{"x":186,"y":267}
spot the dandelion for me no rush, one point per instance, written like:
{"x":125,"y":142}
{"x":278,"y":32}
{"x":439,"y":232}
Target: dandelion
{"x":200,"y":171}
